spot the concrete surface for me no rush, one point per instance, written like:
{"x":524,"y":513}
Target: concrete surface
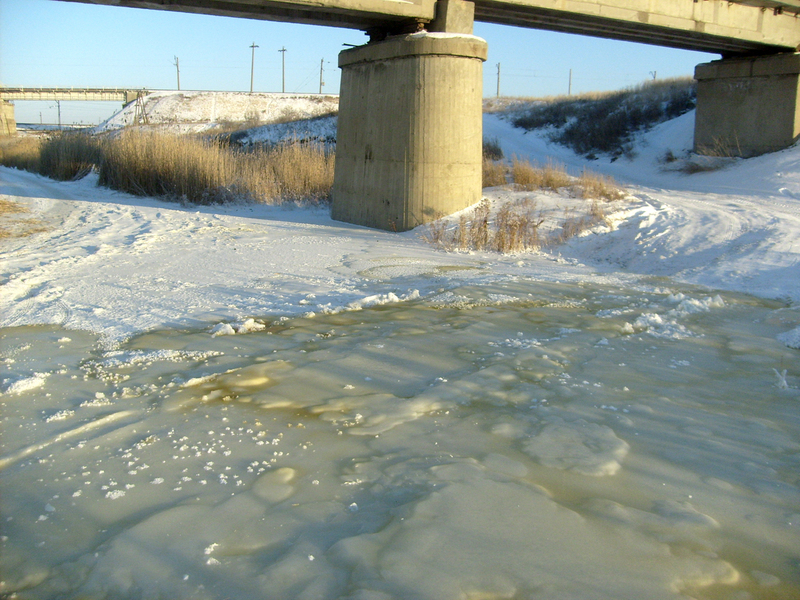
{"x":747,"y":107}
{"x":730,"y":28}
{"x":409,"y":141}
{"x":8,"y":126}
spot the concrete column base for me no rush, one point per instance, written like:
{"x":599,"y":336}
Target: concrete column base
{"x":409,"y":139}
{"x":747,"y":106}
{"x":8,"y":126}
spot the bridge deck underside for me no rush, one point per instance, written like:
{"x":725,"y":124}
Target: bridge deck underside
{"x":742,"y":27}
{"x":632,"y":31}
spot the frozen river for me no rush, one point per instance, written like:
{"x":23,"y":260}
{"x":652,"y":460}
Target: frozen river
{"x":514,"y":440}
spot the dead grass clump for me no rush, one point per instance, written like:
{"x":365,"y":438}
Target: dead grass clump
{"x":599,"y":187}
{"x":514,"y":228}
{"x":494,"y":173}
{"x":571,"y":226}
{"x":12,"y":226}
{"x":7,"y":207}
{"x":527,"y":177}
{"x":21,"y":152}
{"x":517,"y":227}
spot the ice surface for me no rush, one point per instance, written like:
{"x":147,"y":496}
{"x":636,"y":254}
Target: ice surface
{"x":414,"y":449}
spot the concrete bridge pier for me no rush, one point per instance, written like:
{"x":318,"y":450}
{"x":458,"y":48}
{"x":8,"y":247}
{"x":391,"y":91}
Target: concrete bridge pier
{"x":747,"y":106}
{"x":410,"y":132}
{"x":8,"y":126}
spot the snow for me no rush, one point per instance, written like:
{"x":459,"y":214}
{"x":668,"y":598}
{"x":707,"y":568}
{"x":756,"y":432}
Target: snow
{"x":191,"y":111}
{"x":260,"y":402}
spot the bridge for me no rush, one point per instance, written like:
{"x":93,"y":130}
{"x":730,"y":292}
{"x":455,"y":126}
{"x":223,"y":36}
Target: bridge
{"x":70,"y":94}
{"x":410,"y":136}
{"x":8,"y":125}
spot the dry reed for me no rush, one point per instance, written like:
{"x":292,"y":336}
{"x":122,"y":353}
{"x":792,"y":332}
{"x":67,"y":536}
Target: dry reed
{"x":205,"y":172}
{"x":20,"y":152}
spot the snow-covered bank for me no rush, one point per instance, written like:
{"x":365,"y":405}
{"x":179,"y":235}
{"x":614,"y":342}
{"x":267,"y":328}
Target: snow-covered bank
{"x":118,"y":264}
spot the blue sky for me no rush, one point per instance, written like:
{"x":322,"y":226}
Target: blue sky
{"x":66,"y":44}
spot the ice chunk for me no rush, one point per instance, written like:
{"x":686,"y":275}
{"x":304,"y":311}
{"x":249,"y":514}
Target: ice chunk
{"x":275,"y":486}
{"x":26,"y":384}
{"x":579,"y":446}
{"x":791,"y":338}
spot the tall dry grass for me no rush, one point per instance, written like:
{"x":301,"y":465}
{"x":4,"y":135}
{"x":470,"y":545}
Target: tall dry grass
{"x":20,"y":153}
{"x":183,"y":168}
{"x":494,"y":173}
{"x":200,"y":171}
{"x":66,"y":156}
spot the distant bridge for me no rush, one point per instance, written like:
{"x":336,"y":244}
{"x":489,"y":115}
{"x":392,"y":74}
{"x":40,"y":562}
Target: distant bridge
{"x":409,"y":131}
{"x":71,"y":94}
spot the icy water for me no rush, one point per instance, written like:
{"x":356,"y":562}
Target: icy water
{"x":525,"y":440}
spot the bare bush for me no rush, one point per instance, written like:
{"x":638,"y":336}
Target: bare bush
{"x":492,"y":149}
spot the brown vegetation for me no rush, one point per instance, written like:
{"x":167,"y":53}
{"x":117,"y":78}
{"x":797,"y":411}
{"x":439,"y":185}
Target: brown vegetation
{"x":12,"y":225}
{"x":516,"y":226}
{"x":184,"y":168}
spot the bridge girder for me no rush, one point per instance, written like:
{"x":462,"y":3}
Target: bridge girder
{"x":730,"y":28}
{"x":69,"y":94}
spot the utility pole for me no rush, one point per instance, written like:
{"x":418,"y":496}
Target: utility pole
{"x":58,"y":102}
{"x":178,"y":67}
{"x":252,"y":63}
{"x":498,"y":80}
{"x":569,"y":89}
{"x":321,"y":71}
{"x":653,"y":74}
{"x":283,"y":69}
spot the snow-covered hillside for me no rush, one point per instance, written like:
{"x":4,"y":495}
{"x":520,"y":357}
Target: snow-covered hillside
{"x":200,"y":111}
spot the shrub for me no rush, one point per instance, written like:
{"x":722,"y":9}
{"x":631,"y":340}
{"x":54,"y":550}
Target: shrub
{"x":492,"y":149}
{"x":605,"y":123}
